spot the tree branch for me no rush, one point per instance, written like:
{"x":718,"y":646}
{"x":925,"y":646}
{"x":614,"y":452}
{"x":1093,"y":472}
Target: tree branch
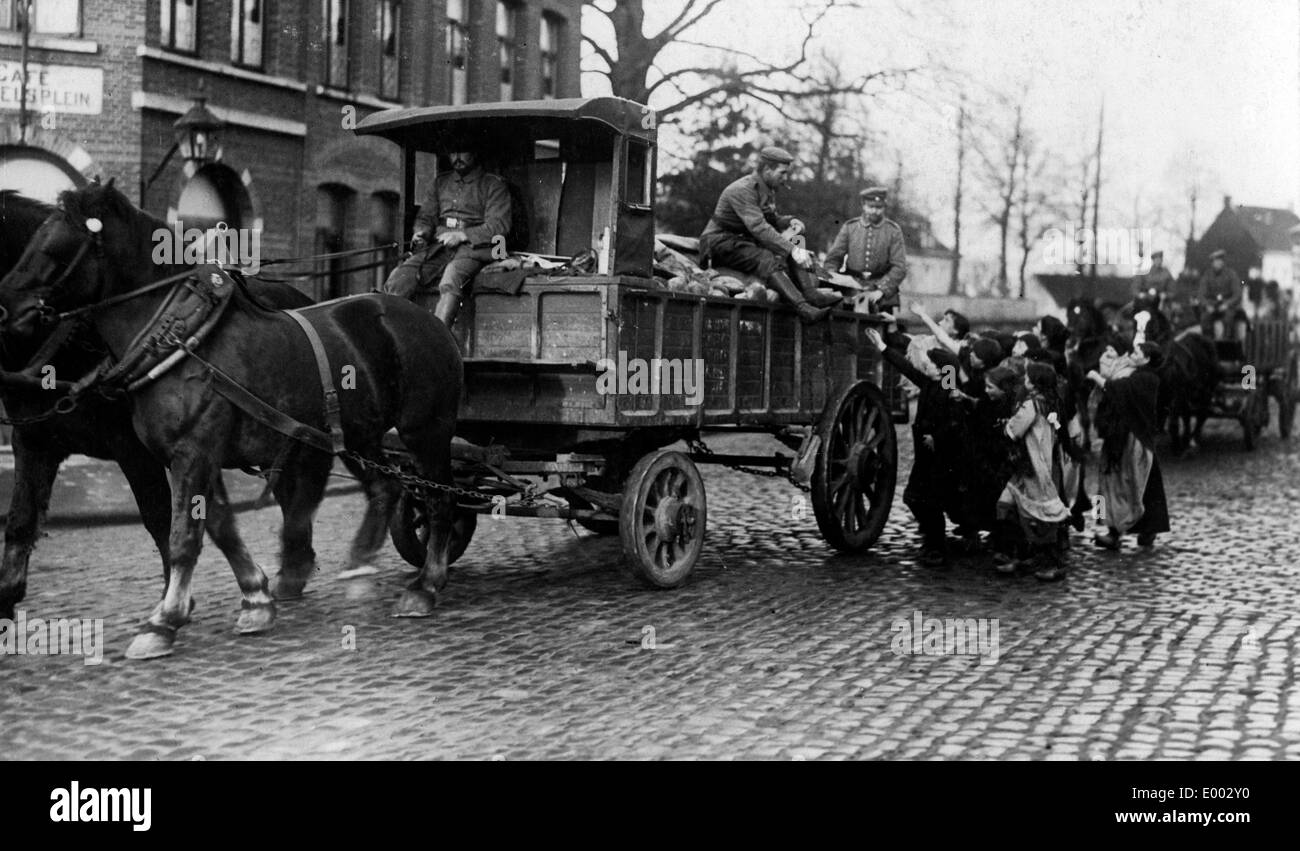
{"x":599,"y":51}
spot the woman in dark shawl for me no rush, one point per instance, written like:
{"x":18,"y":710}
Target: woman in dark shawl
{"x":1131,"y":484}
{"x":936,"y":484}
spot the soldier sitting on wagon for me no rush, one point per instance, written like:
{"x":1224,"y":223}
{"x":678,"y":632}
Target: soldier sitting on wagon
{"x":1220,"y":293}
{"x":745,"y":234}
{"x":464,"y":218}
{"x":870,"y":248}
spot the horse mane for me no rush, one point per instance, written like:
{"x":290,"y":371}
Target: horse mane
{"x":102,"y":200}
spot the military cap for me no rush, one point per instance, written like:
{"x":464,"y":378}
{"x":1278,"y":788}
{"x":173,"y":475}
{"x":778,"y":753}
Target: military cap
{"x":874,"y":193}
{"x":1155,"y":254}
{"x":773,"y":154}
{"x":1219,"y":255}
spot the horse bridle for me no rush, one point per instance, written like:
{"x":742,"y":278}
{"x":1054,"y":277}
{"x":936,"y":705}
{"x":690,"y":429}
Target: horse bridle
{"x":45,"y":311}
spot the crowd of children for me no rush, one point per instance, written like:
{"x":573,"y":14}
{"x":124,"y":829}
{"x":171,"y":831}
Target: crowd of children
{"x":1000,"y":448}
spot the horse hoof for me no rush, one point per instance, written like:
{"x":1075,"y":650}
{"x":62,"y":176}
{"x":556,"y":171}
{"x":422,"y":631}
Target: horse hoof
{"x":415,"y":604}
{"x":150,"y":645}
{"x":358,"y":572}
{"x":256,"y":619}
{"x":284,"y":588}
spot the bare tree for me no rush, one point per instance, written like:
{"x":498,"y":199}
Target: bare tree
{"x":1001,"y":158}
{"x":631,"y":63}
{"x":839,"y":133}
{"x":1096,"y":189}
{"x":1033,"y":203}
{"x":954,"y":285}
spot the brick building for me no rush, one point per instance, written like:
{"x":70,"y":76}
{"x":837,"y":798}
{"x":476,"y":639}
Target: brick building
{"x":107,"y":80}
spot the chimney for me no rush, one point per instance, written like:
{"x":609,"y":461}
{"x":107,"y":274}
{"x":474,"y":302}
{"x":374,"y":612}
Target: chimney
{"x":1227,"y":202}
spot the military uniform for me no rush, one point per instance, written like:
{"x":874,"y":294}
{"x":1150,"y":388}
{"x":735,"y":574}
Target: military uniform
{"x":1160,"y":280}
{"x":1222,"y":284}
{"x":744,"y":232}
{"x":477,"y":203}
{"x":874,"y":254}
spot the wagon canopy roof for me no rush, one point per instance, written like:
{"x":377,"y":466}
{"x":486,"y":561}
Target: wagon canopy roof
{"x":423,"y":127}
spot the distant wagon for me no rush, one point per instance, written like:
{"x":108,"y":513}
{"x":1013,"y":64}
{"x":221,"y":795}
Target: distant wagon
{"x":578,"y":376}
{"x":1266,"y":367}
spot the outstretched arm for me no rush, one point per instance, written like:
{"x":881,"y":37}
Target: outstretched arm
{"x":947,"y":342}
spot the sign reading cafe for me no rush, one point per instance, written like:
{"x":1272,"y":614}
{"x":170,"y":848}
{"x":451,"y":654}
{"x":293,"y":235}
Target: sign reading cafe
{"x":61,"y":88}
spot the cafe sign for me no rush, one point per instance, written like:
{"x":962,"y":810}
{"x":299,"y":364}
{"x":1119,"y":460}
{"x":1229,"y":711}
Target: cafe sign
{"x":53,"y":88}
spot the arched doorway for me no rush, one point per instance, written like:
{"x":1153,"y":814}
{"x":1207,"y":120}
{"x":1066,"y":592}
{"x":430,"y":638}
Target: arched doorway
{"x":213,"y":194}
{"x":37,"y":173}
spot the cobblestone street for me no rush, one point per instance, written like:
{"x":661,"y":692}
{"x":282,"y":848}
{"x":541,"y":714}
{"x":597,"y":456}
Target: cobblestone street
{"x":776,"y":648}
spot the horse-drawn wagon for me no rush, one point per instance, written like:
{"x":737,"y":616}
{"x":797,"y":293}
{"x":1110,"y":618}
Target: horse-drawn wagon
{"x":579,"y":381}
{"x":1266,"y":366}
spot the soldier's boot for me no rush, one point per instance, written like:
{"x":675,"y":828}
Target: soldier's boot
{"x":808,"y":286}
{"x":448,"y":307}
{"x":781,"y":282}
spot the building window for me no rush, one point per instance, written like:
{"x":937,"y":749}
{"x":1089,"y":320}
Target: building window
{"x":246,"y":33}
{"x":333,"y":205}
{"x":390,"y":47}
{"x":458,"y":51}
{"x":336,"y":43}
{"x":49,"y":17}
{"x":506,"y":26}
{"x":180,"y":25}
{"x":549,"y":39}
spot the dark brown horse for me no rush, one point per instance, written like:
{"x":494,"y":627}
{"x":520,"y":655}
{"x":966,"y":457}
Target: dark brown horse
{"x":1088,"y":333}
{"x":98,"y":426}
{"x":392,"y":364}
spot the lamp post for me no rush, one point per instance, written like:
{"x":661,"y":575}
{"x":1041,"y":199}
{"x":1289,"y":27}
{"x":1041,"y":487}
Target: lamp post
{"x":196,"y":131}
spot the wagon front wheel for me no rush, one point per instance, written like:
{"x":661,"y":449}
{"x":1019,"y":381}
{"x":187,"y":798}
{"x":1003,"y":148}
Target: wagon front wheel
{"x":856,"y":469}
{"x":663,"y":518}
{"x":409,"y":530}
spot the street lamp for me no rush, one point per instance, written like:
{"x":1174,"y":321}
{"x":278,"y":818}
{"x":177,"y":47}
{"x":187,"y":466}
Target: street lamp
{"x":196,"y":132}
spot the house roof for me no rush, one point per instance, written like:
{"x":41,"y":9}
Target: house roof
{"x":1268,"y":226}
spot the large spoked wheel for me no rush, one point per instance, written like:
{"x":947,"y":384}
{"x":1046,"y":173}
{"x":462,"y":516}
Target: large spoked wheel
{"x":663,"y":518}
{"x":409,"y":530}
{"x":857,"y":467}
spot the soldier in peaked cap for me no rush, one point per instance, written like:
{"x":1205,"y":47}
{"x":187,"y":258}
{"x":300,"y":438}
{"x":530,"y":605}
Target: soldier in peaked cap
{"x":466,"y":212}
{"x":1157,"y":278}
{"x":744,"y":234}
{"x":870,"y":248}
{"x":1220,"y":294}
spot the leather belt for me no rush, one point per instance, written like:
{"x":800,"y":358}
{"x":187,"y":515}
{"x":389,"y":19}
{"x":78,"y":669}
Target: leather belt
{"x":452,"y":222}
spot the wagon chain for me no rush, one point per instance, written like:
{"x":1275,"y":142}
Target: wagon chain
{"x":65,"y":405}
{"x":419,"y":486}
{"x":698,"y":445}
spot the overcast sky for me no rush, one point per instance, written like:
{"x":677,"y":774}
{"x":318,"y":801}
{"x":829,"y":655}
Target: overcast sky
{"x":1209,"y":80}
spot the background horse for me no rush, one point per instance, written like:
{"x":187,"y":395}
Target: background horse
{"x":98,"y":426}
{"x":1189,"y":376}
{"x":1088,"y":332}
{"x":402,"y":370}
